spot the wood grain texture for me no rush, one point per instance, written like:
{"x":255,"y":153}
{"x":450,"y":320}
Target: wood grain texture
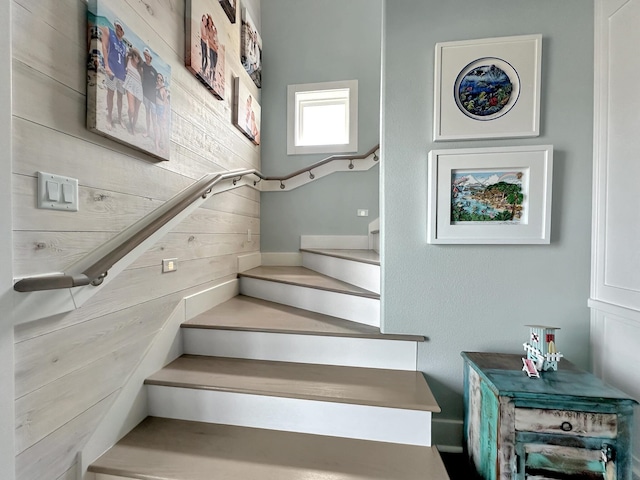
{"x":360,"y":386}
{"x":237,"y":453}
{"x":57,"y":452}
{"x":56,"y":356}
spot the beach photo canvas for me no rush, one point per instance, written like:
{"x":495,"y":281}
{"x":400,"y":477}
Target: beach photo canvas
{"x":128,"y":85}
{"x":251,"y":49}
{"x":205,"y":49}
{"x":246,"y":112}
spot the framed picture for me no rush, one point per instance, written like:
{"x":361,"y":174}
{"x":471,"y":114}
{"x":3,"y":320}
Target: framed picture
{"x":487,"y":88}
{"x":251,"y":49}
{"x":128,"y":85}
{"x":246,"y":111}
{"x":205,"y":50}
{"x":229,"y":7}
{"x":490,"y":195}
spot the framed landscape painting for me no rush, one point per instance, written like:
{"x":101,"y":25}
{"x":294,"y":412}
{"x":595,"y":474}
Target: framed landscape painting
{"x":246,"y":112}
{"x":490,"y":195}
{"x":205,"y":49}
{"x":128,"y":85}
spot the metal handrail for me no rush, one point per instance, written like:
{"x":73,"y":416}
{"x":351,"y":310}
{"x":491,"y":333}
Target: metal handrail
{"x":93,"y":268}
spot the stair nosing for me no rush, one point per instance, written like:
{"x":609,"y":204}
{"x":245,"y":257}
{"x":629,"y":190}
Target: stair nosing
{"x":429,"y":404}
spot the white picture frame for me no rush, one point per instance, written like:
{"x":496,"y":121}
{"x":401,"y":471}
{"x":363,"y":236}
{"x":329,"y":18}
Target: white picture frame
{"x":466,"y":108}
{"x":496,"y":195}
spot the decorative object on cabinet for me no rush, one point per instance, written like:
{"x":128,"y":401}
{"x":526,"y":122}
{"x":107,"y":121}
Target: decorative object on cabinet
{"x":204,"y":47}
{"x":567,"y":424}
{"x":541,"y":348}
{"x":490,"y":195}
{"x":487,"y":88}
{"x":251,"y":48}
{"x":229,"y":7}
{"x":128,"y":85}
{"x":246,"y":111}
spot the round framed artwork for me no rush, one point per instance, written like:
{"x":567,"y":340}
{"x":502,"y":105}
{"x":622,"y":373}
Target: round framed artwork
{"x":486,"y":89}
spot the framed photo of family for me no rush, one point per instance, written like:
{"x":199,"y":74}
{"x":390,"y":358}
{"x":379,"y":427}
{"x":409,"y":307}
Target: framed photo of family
{"x":128,"y":85}
{"x":487,"y":88}
{"x":251,"y":48}
{"x":246,"y":112}
{"x":205,"y":50}
{"x":490,"y":195}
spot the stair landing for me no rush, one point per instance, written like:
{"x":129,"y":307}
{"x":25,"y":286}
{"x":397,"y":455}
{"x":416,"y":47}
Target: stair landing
{"x":163,"y":449}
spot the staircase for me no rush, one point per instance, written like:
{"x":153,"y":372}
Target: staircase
{"x":290,"y":380}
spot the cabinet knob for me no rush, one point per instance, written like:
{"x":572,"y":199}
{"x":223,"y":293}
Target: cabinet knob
{"x":566,"y":426}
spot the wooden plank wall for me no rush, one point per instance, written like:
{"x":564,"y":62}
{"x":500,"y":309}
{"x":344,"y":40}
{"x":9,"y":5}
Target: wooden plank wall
{"x":70,"y":367}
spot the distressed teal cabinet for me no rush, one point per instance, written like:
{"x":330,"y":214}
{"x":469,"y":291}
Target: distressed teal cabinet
{"x":564,"y":425}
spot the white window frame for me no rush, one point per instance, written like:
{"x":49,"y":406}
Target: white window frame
{"x":294,"y":119}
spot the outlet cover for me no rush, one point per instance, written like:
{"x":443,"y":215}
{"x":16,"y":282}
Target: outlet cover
{"x":169,"y":265}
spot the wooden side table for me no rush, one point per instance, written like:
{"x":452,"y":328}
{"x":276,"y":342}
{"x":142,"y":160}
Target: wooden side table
{"x":564,"y":425}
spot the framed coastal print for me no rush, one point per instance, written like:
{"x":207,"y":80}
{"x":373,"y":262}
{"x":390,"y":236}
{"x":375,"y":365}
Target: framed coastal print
{"x":229,"y":7}
{"x":487,"y":88}
{"x":490,"y":195}
{"x":206,"y":32}
{"x":128,"y":85}
{"x":251,"y":49}
{"x":246,"y":111}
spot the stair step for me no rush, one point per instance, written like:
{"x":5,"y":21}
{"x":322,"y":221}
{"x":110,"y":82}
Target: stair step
{"x":244,"y":313}
{"x":165,"y":449}
{"x":264,"y":330}
{"x":364,"y":256}
{"x":362,"y":386}
{"x":369,"y":404}
{"x":356,"y":267}
{"x":304,"y":277}
{"x":303,"y":288}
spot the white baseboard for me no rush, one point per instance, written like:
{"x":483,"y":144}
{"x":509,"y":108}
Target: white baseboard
{"x":249,"y":261}
{"x":282,"y":259}
{"x":346,"y":242}
{"x":207,"y":299}
{"x":334,"y":419}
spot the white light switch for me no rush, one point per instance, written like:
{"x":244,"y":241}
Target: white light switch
{"x":56,"y":192}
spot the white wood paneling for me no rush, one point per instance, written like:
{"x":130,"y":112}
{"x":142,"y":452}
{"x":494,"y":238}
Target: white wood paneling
{"x":294,"y":415}
{"x":615,"y":281}
{"x":118,"y":185}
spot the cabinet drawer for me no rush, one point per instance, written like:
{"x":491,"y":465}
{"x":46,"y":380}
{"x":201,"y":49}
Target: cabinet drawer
{"x":549,"y":462}
{"x":584,"y":424}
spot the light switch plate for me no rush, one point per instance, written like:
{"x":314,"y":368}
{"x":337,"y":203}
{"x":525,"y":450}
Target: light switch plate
{"x":66,"y":188}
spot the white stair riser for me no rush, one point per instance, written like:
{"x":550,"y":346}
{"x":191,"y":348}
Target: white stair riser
{"x":363,"y":275}
{"x":316,"y":349}
{"x":350,"y":307}
{"x":412,"y":427}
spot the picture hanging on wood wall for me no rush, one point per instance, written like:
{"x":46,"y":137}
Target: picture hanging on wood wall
{"x":251,"y":49}
{"x":128,"y":85}
{"x":229,"y":7}
{"x":246,"y":112}
{"x":487,"y":88}
{"x":205,"y":49}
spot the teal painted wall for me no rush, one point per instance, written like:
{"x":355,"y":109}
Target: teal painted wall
{"x":308,"y":41}
{"x":479,"y":297}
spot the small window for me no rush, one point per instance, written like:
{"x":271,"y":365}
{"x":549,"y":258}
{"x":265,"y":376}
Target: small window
{"x":322,"y":117}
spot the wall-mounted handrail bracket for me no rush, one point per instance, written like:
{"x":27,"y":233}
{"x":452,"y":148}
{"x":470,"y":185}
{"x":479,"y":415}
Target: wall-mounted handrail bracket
{"x":94,"y":267}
